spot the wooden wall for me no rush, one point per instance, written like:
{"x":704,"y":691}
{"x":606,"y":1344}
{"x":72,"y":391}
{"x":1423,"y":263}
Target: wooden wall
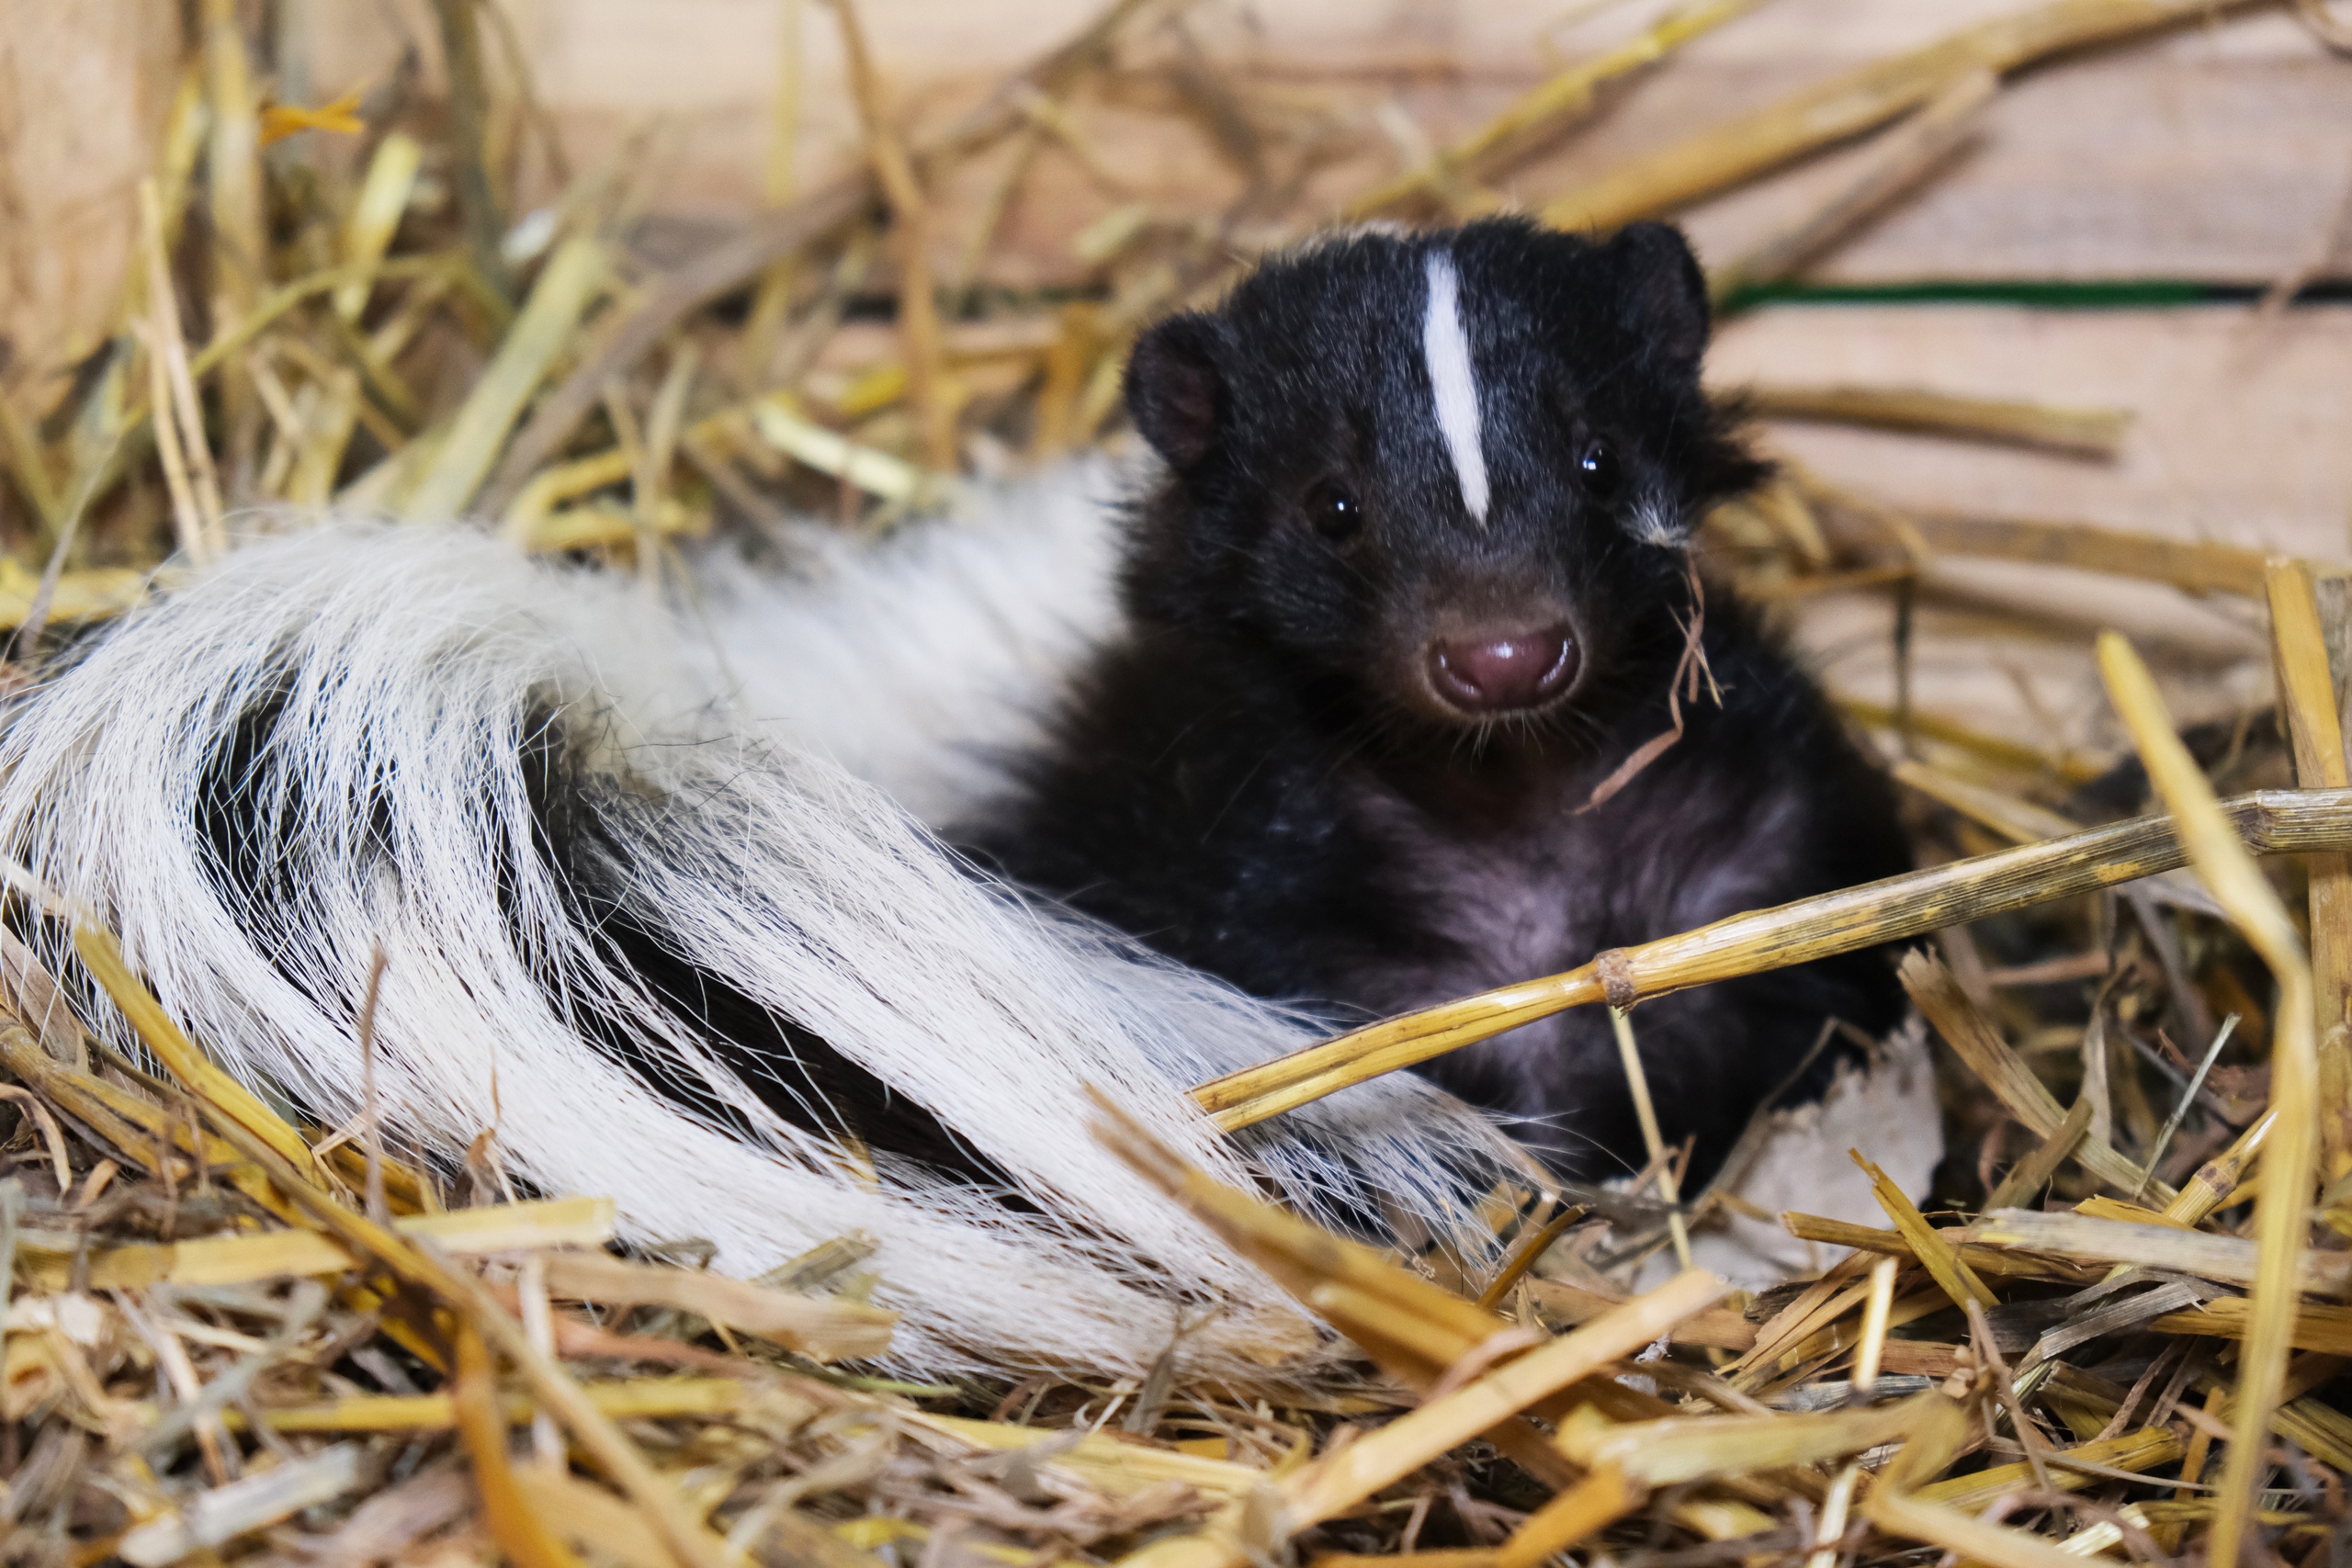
{"x":2218,"y":152}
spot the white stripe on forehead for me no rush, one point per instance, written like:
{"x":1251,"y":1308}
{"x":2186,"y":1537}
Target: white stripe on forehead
{"x":1452,"y":381}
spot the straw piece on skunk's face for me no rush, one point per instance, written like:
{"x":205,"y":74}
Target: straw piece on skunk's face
{"x":714,"y":978}
{"x":1440,"y":466}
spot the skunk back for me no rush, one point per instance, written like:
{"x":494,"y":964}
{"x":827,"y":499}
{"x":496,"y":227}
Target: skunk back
{"x":930,"y":661}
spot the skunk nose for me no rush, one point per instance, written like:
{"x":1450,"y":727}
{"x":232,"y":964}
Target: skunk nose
{"x":1519,"y":670}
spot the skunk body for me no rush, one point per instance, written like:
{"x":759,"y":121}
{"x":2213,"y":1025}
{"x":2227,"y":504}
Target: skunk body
{"x":1409,"y":600}
{"x":659,"y":954}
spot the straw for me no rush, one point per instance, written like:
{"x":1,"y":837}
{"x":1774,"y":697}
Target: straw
{"x":910,"y":237}
{"x":195,"y":492}
{"x":2272,"y":822}
{"x":478,"y":210}
{"x":1944,"y":1265}
{"x":518,"y":1528}
{"x":1897,"y":163}
{"x":239,"y":247}
{"x":375,"y":217}
{"x":1629,"y":1057}
{"x":2199,"y":566}
{"x":2307,"y":690}
{"x":2089,"y":432}
{"x":2187,"y":1098}
{"x":2285,"y":1199}
{"x":1543,"y":110}
{"x":30,"y":467}
{"x":1851,"y":103}
{"x":1977,"y":1042}
{"x":1871,"y":1351}
{"x":780,"y":182}
{"x":574,"y":276}
{"x":773,"y":237}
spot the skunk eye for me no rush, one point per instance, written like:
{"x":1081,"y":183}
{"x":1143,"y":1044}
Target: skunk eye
{"x":1598,"y":465}
{"x":1333,"y":510}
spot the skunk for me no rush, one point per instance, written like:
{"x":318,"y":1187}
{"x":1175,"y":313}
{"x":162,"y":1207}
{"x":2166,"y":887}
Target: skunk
{"x":1410,"y":617}
{"x":662,"y":903}
{"x":661,"y":952}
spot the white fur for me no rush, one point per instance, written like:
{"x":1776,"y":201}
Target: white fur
{"x":1657,"y":521}
{"x":921,"y":661}
{"x":1888,"y":1111}
{"x":410,"y":662}
{"x":1454,"y":381}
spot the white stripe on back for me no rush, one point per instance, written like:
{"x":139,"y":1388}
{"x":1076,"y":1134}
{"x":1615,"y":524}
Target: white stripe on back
{"x":1452,"y":381}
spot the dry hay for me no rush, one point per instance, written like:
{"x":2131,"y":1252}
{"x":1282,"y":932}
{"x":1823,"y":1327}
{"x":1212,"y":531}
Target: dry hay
{"x":234,"y":1339}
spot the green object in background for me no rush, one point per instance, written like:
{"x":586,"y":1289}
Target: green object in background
{"x":2097,"y":294}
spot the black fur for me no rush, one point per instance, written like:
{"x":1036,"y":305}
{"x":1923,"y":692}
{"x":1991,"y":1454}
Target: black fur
{"x":584,"y":825}
{"x":581,"y":826}
{"x":1261,"y":780}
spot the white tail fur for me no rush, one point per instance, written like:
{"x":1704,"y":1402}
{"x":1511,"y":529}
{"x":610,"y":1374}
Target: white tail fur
{"x":326,"y":745}
{"x":921,"y":661}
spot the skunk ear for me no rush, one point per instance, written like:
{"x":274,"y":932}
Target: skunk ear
{"x":1175,"y":391}
{"x":1663,"y":291}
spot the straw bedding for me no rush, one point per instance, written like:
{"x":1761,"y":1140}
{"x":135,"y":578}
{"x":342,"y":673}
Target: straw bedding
{"x":2112,"y":1327}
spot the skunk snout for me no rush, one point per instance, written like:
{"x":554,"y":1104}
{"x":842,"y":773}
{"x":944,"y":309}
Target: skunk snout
{"x":1496,"y":673}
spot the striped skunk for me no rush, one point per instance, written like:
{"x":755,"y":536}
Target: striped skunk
{"x":662,"y":905}
{"x":1406,"y":621}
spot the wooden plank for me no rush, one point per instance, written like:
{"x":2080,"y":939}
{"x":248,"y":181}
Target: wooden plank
{"x":2201,"y":154}
{"x":2208,"y":153}
{"x":2235,"y":433}
{"x":2234,"y":437}
{"x":2133,"y":166}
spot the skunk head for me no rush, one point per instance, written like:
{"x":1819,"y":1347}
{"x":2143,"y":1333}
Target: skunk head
{"x":1455,"y":469}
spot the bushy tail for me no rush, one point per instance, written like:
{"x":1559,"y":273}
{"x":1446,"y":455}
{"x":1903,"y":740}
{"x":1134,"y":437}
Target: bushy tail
{"x":664,"y":956}
{"x":922,"y":662}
